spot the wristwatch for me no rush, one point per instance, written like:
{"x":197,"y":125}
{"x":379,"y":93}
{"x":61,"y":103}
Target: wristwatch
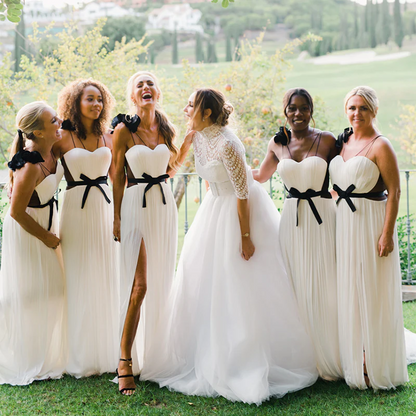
{"x":246,"y":235}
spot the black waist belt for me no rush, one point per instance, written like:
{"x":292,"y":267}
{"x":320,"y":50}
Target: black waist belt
{"x":348,"y":194}
{"x":89,"y":183}
{"x":150,"y":182}
{"x":308,"y":195}
{"x":50,"y":205}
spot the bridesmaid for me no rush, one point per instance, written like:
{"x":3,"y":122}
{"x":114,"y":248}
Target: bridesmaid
{"x":368,"y":270}
{"x":32,"y":303}
{"x":145,"y":220}
{"x":86,"y":228}
{"x":307,"y":230}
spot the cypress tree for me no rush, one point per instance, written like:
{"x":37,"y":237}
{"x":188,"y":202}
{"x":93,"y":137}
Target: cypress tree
{"x":175,"y":58}
{"x":372,"y":23}
{"x":385,"y":22}
{"x":398,"y":24}
{"x":228,"y":52}
{"x":19,"y":43}
{"x":199,"y":51}
{"x":211,"y":54}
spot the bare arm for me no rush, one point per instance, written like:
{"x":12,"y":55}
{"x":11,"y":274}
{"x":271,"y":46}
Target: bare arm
{"x":243,"y":208}
{"x":109,"y":144}
{"x":121,"y":137}
{"x":268,"y":166}
{"x":183,"y":151}
{"x":387,"y":163}
{"x":25,"y":181}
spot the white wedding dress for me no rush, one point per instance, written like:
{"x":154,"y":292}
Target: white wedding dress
{"x":32,"y":297}
{"x":232,"y":326}
{"x":369,"y":286}
{"x":309,"y":253}
{"x":90,"y":263}
{"x":157,"y":225}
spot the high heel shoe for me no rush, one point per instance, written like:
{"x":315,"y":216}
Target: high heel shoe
{"x":126,"y":389}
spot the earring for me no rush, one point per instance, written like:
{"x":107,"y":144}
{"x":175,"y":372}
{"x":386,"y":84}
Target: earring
{"x":203,"y":118}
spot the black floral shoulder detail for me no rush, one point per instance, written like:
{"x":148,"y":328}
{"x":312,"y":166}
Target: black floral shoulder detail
{"x":343,"y":137}
{"x":67,"y":125}
{"x":22,"y":157}
{"x":131,"y":122}
{"x":283,"y":136}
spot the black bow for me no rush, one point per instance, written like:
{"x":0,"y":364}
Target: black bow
{"x":283,"y":136}
{"x":345,"y":195}
{"x":22,"y":157}
{"x":50,"y":205}
{"x":20,"y":133}
{"x":131,"y":122}
{"x":89,"y":183}
{"x":343,"y":137}
{"x":308,"y":195}
{"x":67,"y":125}
{"x":150,"y":182}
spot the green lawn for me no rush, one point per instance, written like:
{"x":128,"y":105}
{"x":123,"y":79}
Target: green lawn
{"x":98,"y":396}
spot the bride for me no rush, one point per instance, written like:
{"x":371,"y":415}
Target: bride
{"x":233,"y":327}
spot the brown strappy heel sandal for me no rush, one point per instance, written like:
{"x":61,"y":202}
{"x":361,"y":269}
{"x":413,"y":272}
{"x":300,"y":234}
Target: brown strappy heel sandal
{"x":126,"y":389}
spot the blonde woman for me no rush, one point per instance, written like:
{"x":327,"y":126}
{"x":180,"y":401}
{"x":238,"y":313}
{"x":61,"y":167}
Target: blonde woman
{"x":88,"y":248}
{"x":372,"y":344}
{"x":145,"y":220}
{"x":32,"y":311}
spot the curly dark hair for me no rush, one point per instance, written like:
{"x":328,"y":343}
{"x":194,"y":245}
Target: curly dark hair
{"x":69,"y":106}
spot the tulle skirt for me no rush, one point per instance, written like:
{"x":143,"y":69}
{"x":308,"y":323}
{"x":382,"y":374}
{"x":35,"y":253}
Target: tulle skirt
{"x":232,"y":326}
{"x":90,"y":261}
{"x":157,"y":226}
{"x":32,"y":305}
{"x":309,"y":254}
{"x":369,"y":296}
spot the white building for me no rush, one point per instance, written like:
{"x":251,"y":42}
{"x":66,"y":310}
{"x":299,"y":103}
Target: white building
{"x":93,"y":11}
{"x":181,"y":17}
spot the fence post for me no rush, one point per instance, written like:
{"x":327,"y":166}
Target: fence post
{"x":409,"y":273}
{"x":200,"y":190}
{"x":171,"y":184}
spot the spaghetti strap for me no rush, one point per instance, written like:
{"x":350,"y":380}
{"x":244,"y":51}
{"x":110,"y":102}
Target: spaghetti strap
{"x":319,"y":142}
{"x":105,"y":144}
{"x":72,"y":137}
{"x":314,"y":140}
{"x":132,"y":137}
{"x":290,"y":154}
{"x":43,"y":168}
{"x":371,"y":145}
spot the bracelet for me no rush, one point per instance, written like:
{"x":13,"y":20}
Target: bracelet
{"x":245,"y":235}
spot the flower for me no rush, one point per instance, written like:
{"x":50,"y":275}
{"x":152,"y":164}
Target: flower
{"x":130,"y":122}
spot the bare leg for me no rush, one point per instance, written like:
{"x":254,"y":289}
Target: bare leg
{"x":366,"y":378}
{"x":131,"y":322}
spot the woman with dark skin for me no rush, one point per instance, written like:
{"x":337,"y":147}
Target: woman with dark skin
{"x":32,"y":303}
{"x":372,"y":344}
{"x":145,"y":221}
{"x":307,"y":231}
{"x":89,"y":251}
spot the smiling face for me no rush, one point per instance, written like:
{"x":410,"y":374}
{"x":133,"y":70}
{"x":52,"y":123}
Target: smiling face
{"x":51,"y":126}
{"x":359,"y":113}
{"x":91,"y":103}
{"x":195,"y":119}
{"x":145,"y":91}
{"x":298,"y":112}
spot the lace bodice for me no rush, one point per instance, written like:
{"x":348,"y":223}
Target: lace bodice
{"x":220,"y":157}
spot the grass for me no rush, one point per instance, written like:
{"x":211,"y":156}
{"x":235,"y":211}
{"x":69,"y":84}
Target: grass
{"x":97,"y":396}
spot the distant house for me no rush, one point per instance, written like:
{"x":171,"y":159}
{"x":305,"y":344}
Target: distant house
{"x":181,"y":17}
{"x":93,"y":11}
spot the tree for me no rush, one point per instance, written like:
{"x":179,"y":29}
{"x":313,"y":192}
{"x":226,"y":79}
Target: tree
{"x":407,"y":132}
{"x":211,"y":52}
{"x":385,"y":19}
{"x":228,"y":51}
{"x":175,"y":58}
{"x":11,"y":9}
{"x":19,"y":43}
{"x":129,"y":27}
{"x":199,"y":51}
{"x":372,"y":23}
{"x":397,"y":24}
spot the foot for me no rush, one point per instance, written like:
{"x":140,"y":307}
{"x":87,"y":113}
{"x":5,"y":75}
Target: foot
{"x":366,"y":378}
{"x":126,"y":383}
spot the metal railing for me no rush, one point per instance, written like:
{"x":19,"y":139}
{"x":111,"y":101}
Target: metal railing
{"x":275,"y":189}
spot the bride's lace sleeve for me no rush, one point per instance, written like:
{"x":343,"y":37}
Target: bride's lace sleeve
{"x":233,"y":157}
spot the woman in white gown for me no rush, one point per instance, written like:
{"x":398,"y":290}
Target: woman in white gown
{"x":32,"y":302}
{"x":307,"y":230}
{"x":371,"y":331}
{"x":89,"y":252}
{"x":145,"y":221}
{"x":233,"y":327}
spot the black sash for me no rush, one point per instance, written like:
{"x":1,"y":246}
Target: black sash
{"x":150,"y":182}
{"x":348,"y":194}
{"x":50,"y":205}
{"x":89,"y":183}
{"x":308,"y":195}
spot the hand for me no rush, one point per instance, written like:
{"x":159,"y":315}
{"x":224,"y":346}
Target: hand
{"x":51,"y":240}
{"x":189,"y":136}
{"x":116,"y":229}
{"x":385,"y":245}
{"x":247,"y":248}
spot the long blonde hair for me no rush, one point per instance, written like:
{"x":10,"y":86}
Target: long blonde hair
{"x":166,"y":128}
{"x":28,"y":119}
